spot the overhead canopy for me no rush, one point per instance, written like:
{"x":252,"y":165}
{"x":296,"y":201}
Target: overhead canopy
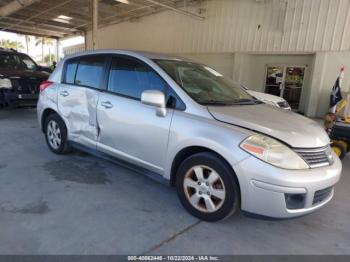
{"x":65,"y":18}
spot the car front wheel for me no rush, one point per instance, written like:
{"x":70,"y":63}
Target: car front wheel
{"x":207,"y":187}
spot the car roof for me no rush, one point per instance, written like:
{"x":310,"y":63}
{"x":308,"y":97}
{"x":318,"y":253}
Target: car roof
{"x":140,"y":54}
{"x":10,"y":51}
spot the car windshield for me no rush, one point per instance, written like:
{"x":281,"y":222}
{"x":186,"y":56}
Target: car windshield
{"x":17,"y":62}
{"x":205,"y":85}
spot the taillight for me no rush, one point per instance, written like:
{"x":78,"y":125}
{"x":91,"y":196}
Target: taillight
{"x":45,"y":85}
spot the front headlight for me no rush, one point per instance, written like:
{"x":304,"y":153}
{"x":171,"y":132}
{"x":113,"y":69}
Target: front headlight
{"x":5,"y":83}
{"x":273,"y":152}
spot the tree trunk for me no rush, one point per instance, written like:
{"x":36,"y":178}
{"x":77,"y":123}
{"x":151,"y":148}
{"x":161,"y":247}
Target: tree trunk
{"x":27,"y":43}
{"x":42,"y":50}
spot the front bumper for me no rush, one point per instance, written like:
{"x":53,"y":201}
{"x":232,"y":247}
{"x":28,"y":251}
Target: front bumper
{"x":265,"y":189}
{"x":11,"y":97}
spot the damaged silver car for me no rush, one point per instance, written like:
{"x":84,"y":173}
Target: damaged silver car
{"x":185,"y":123}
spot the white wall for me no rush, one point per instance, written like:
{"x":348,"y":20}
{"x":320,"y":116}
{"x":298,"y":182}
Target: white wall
{"x":271,"y":26}
{"x":239,"y":37}
{"x":73,"y":49}
{"x":255,"y":72}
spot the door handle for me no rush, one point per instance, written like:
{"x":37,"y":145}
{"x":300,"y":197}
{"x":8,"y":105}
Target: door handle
{"x":64,"y":93}
{"x":106,"y":104}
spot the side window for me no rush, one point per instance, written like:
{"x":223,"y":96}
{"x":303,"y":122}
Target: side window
{"x":173,"y":100}
{"x":90,"y":71}
{"x":130,"y":78}
{"x":28,"y":63}
{"x":71,"y":68}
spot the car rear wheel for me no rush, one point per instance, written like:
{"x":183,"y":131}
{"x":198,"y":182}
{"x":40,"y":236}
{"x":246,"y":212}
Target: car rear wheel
{"x":207,"y":187}
{"x":56,"y":134}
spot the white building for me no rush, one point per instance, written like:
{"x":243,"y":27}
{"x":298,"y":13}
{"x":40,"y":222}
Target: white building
{"x":300,"y":44}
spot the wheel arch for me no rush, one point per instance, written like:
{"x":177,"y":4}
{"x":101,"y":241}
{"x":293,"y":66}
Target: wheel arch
{"x":47,"y":112}
{"x":191,"y":150}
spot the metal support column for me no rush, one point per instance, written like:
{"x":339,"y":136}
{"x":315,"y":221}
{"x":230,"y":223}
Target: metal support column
{"x":94,"y":23}
{"x":85,"y":41}
{"x":57,"y":50}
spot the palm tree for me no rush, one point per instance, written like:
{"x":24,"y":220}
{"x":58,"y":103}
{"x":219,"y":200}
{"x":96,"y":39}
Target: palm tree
{"x":43,"y":41}
{"x":49,"y":58}
{"x":27,"y":38}
{"x":6,"y":43}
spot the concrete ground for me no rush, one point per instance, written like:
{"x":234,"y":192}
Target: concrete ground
{"x":79,"y":204}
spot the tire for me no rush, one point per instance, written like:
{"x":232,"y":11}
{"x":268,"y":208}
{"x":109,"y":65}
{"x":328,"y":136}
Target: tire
{"x":216,"y":195}
{"x":56,"y":134}
{"x":339,"y":149}
{"x":2,"y":99}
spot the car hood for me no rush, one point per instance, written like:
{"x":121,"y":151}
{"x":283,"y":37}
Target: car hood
{"x":264,"y":96}
{"x":289,"y":127}
{"x":23,"y":73}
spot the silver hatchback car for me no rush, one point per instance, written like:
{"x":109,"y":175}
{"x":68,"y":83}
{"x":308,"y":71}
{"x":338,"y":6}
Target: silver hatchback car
{"x":185,"y":123}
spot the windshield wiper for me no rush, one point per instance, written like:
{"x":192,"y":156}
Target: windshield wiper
{"x":246,"y":101}
{"x":216,"y":103}
{"x":243,"y":101}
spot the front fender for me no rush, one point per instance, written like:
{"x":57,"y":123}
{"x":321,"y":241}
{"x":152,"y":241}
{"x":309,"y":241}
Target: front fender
{"x":194,"y":131}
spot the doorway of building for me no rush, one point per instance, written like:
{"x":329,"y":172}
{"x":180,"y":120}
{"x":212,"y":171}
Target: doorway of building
{"x":285,"y":81}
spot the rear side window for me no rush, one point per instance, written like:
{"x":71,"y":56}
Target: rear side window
{"x":90,"y":71}
{"x":71,"y":68}
{"x":130,"y":78}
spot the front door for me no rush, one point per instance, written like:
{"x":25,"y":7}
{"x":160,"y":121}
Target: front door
{"x":285,"y":81}
{"x":130,"y":130}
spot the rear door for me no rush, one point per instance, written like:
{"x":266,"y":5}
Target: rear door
{"x":78,"y":97}
{"x":129,"y":129}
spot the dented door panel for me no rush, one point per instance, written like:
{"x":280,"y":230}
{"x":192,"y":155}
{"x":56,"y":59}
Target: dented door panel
{"x":78,"y":106}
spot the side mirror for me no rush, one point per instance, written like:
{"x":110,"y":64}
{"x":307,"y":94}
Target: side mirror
{"x":155,"y":98}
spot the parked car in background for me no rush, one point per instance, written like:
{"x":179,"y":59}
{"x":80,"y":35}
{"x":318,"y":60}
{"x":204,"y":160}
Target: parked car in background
{"x":184,"y":122}
{"x":47,"y":69}
{"x":20,"y":78}
{"x":269,"y":99}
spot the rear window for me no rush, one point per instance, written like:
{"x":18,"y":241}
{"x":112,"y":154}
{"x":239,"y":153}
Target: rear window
{"x":86,"y":71}
{"x":71,"y":68}
{"x":90,"y":71}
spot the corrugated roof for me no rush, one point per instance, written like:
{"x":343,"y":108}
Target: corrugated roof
{"x":72,"y":17}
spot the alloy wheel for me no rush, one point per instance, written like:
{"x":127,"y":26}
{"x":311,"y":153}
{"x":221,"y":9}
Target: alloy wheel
{"x":204,"y":189}
{"x":54,"y":134}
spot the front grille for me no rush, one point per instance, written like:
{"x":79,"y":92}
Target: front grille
{"x":26,"y":85}
{"x":316,"y":157}
{"x":321,"y":195}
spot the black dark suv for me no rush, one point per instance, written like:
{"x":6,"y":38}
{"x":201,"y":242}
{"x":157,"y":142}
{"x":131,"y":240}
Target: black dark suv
{"x":20,"y":78}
